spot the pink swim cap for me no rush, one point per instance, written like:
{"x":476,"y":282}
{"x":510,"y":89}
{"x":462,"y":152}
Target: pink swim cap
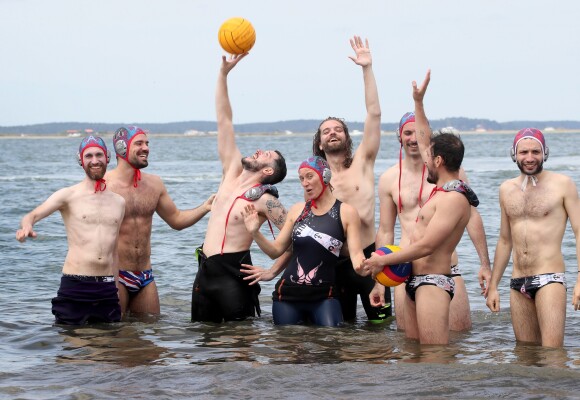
{"x":319,"y":165}
{"x":405,"y":119}
{"x":530,"y":133}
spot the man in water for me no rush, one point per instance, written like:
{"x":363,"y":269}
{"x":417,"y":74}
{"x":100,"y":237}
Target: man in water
{"x":92,"y":216}
{"x":438,"y":229}
{"x":403,"y":189}
{"x":144,"y":194}
{"x":219,"y":290}
{"x":534,"y":210}
{"x":353,"y":180}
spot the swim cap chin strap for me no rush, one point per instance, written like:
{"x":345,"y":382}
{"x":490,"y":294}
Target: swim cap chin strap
{"x":532,"y":178}
{"x":100,"y":185}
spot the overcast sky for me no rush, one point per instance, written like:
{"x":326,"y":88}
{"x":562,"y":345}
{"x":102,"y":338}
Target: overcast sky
{"x":157,"y":60}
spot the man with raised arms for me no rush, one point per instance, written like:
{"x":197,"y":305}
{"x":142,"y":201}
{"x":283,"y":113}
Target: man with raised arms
{"x":145,"y":194}
{"x":535,"y":207}
{"x":219,"y":290}
{"x":353,"y":180}
{"x":403,"y":189}
{"x":438,"y":229}
{"x":92,"y":216}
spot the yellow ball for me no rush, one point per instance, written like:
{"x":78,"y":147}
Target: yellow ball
{"x":237,"y":35}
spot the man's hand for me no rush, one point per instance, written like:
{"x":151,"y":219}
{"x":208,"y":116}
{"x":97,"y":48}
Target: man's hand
{"x":363,"y":53}
{"x":484,"y":276}
{"x":419,"y":93}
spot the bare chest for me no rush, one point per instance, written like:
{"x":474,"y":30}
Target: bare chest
{"x":350,"y":187}
{"x":140,"y":201}
{"x":95,"y":210}
{"x":532,"y":203}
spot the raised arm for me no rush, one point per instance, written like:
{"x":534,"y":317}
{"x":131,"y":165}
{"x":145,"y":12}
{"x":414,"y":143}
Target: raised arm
{"x":55,"y":202}
{"x":421,"y":122}
{"x":228,"y":150}
{"x":501,"y":258}
{"x":370,"y":143}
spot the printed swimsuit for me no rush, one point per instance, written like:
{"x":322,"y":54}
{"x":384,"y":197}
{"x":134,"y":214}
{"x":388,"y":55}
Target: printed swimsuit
{"x":444,"y":282}
{"x":316,"y":244}
{"x":134,"y":281}
{"x":529,"y":285}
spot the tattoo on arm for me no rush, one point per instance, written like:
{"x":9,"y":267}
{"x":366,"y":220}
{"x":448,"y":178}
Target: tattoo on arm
{"x":276,"y":212}
{"x":422,"y":133}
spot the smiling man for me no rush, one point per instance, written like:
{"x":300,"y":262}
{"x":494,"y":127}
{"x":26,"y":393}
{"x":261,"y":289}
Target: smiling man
{"x":92,"y":216}
{"x":144,"y":194}
{"x":535,"y":208}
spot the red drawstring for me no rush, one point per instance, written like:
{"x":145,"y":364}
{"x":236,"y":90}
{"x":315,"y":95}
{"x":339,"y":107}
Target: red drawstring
{"x":100,"y":185}
{"x":433,"y":193}
{"x":228,"y":217}
{"x":136,"y":177}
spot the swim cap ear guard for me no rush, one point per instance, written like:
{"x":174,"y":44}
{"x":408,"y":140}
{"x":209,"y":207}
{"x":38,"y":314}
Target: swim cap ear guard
{"x":122,"y":139}
{"x":531,"y":133}
{"x":92,"y":141}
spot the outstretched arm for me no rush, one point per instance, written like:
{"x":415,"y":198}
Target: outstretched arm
{"x":421,"y":122}
{"x":181,"y":219}
{"x":228,"y":150}
{"x":55,"y":202}
{"x":370,"y":143}
{"x":256,"y":274}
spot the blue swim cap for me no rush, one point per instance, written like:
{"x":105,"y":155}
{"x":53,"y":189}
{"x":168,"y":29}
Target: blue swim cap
{"x":122,"y":140}
{"x":92,"y":141}
{"x":405,"y":119}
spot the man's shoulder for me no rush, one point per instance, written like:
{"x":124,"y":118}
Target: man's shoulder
{"x":266,"y":200}
{"x":391,"y":171}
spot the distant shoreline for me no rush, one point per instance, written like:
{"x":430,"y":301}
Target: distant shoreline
{"x":28,"y":136}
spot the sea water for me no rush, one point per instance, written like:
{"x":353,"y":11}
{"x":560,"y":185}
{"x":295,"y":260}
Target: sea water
{"x":174,"y":358}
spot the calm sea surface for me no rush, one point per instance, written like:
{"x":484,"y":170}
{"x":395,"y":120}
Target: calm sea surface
{"x":174,"y":358}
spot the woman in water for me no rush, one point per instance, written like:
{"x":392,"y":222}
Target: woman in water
{"x":318,"y":230}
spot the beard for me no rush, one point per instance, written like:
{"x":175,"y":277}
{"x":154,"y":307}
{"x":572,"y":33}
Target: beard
{"x":93,"y":174}
{"x":137,"y":162}
{"x":432,"y":177}
{"x":538,"y":169}
{"x":249,"y":164}
{"x":333,"y":148}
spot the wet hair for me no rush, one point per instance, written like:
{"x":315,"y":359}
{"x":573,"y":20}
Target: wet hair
{"x":450,"y":148}
{"x":316,"y":142}
{"x":280,"y":170}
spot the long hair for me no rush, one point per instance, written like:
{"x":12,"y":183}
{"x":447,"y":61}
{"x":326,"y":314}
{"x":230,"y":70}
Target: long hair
{"x":450,"y":148}
{"x":316,"y":142}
